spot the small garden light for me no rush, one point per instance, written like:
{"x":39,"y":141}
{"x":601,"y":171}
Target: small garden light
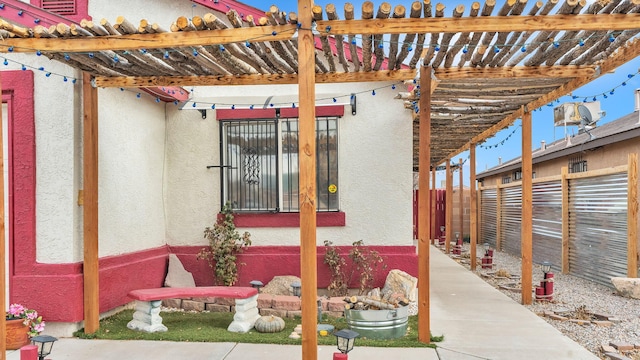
{"x":296,"y":287}
{"x":345,"y":340}
{"x":44,"y":344}
{"x":546,"y":267}
{"x":256,"y":284}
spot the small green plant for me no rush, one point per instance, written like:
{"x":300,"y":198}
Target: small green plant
{"x":225,"y":242}
{"x":363,"y":267}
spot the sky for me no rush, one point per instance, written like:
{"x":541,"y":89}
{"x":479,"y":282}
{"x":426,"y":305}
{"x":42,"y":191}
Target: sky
{"x":507,"y":143}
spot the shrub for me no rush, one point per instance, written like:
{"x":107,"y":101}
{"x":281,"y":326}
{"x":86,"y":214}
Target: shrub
{"x":363,"y":266}
{"x":225,"y":242}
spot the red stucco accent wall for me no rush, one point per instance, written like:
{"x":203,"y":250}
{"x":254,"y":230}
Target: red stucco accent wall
{"x":264,"y":262}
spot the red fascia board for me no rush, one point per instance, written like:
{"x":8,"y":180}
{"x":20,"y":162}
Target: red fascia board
{"x":224,"y":6}
{"x":168,"y":93}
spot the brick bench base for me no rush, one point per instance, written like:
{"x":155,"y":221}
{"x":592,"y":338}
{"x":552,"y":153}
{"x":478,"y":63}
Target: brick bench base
{"x":147,"y":312}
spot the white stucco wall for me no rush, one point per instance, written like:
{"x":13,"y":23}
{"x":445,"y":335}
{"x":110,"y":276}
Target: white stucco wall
{"x":375,"y":170}
{"x":131,"y":165}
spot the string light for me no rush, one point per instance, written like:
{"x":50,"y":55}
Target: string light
{"x":501,"y":142}
{"x":594,"y":97}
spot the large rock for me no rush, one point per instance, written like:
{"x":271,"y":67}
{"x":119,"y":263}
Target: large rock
{"x":280,"y":285}
{"x":399,"y":282}
{"x":627,"y":287}
{"x":177,"y":276}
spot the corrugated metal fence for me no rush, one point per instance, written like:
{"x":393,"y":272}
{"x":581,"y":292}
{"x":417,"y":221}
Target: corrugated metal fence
{"x":598,"y":227}
{"x":597,"y":223}
{"x":489,"y":218}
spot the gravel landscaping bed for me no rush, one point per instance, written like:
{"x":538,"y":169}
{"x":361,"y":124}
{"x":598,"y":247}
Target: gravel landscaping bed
{"x":572,"y":296}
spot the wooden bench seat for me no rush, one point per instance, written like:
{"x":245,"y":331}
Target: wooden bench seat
{"x":147,"y":315}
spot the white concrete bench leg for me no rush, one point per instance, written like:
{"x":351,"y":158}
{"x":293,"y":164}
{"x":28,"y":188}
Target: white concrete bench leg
{"x":147,"y":317}
{"x":245,"y":316}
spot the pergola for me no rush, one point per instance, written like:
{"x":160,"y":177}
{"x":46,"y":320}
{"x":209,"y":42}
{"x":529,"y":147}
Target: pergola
{"x":477,"y":73}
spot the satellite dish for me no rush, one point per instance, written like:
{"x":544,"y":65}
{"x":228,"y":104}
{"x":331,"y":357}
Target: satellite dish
{"x":585,"y":115}
{"x":586,"y":120}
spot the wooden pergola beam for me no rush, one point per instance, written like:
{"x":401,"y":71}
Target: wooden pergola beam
{"x":587,"y":22}
{"x":595,"y":22}
{"x":255,"y":79}
{"x":556,"y":71}
{"x":623,"y":55}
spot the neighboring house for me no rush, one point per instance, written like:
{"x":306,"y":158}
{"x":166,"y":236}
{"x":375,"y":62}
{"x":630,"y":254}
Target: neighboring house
{"x":583,"y":211}
{"x":165,"y":171}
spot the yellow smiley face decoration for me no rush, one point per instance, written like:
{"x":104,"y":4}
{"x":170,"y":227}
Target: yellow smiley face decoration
{"x":333,"y":188}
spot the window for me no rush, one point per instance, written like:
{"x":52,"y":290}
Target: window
{"x":517,"y":175}
{"x":576,"y":165}
{"x":506,"y":179}
{"x":260,"y":162}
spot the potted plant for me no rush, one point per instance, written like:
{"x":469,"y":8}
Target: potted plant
{"x":22,"y":324}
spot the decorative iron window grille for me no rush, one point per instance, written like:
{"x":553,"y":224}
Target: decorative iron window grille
{"x":260,"y":164}
{"x":576,"y":164}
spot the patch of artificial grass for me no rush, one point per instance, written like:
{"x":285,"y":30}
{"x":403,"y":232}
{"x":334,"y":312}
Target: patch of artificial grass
{"x":212,"y":327}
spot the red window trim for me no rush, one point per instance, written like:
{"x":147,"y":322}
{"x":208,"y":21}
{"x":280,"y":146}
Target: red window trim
{"x":247,"y":114}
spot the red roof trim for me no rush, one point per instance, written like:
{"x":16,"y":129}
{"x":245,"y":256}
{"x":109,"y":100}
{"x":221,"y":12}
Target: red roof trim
{"x":244,"y":10}
{"x":168,"y":93}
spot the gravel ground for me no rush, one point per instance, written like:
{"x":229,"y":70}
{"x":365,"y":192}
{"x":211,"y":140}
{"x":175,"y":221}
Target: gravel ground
{"x":570,"y":293}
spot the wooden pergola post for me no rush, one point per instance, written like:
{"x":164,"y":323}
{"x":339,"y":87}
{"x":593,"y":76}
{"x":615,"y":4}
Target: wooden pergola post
{"x":498,"y":215}
{"x":434,"y":192}
{"x":424,"y":221}
{"x":448,"y":222}
{"x":3,"y":255}
{"x":461,"y":200}
{"x":473,"y":231}
{"x":632,"y":216}
{"x":307,"y":160}
{"x":527,"y":211}
{"x":90,"y":206}
{"x":565,"y":220}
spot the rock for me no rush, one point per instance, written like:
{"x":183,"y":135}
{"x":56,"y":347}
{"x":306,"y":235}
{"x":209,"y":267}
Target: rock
{"x":177,"y":276}
{"x":399,"y":281}
{"x":280,"y":285}
{"x":627,"y":287}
